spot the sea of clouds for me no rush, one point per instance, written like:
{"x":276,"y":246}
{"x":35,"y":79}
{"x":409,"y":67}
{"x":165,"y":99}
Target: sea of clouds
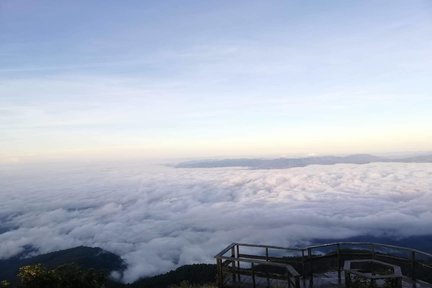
{"x":158,"y":218}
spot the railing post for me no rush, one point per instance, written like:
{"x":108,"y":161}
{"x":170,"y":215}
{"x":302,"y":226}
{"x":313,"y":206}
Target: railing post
{"x":413,"y":268}
{"x":267,"y":259}
{"x":297,"y":282}
{"x":238,"y":262}
{"x":233,"y":265}
{"x":288,"y":280}
{"x":253,"y":275}
{"x":339,"y":262}
{"x":310,"y":267}
{"x":372,"y":248}
{"x":219,"y":273}
{"x":347,"y":279}
{"x":304,"y":268}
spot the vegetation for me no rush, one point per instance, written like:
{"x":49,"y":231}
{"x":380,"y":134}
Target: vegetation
{"x":193,"y":275}
{"x":186,"y":284}
{"x":84,"y":257}
{"x":72,"y":275}
{"x":64,"y":276}
{"x":92,"y":265}
{"x":5,"y":284}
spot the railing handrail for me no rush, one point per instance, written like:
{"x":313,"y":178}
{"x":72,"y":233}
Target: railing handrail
{"x":369,"y":244}
{"x":298,"y":249}
{"x":290,"y":269}
{"x":270,"y":247}
{"x":228,"y":248}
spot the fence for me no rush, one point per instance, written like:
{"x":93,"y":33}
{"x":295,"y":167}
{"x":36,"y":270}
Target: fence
{"x":247,"y":265}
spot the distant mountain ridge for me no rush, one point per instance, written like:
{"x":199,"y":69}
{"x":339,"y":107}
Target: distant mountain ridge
{"x":283,"y":163}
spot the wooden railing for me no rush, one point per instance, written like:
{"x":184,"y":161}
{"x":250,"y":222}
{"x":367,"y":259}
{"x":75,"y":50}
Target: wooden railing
{"x":290,"y":266}
{"x":230,"y":268}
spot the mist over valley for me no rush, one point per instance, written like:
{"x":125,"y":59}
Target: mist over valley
{"x":157,"y":218}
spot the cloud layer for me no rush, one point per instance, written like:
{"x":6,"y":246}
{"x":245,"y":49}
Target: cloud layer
{"x":158,"y":218}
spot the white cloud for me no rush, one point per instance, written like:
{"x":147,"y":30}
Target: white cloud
{"x":158,"y":218}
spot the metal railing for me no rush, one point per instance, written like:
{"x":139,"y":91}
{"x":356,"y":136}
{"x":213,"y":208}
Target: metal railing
{"x":295,"y":267}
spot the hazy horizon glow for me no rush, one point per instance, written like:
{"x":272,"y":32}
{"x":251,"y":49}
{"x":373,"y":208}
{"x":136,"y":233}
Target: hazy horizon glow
{"x":213,"y":78}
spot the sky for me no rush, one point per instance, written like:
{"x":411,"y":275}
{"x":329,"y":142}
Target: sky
{"x":161,"y":79}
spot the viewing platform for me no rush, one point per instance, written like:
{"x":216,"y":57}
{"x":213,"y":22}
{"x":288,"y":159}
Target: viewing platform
{"x":342,"y":264}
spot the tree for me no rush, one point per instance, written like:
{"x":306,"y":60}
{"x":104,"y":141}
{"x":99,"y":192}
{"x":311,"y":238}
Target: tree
{"x":5,"y":284}
{"x":64,"y":276}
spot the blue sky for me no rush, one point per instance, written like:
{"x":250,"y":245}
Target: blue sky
{"x":163,"y":79}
